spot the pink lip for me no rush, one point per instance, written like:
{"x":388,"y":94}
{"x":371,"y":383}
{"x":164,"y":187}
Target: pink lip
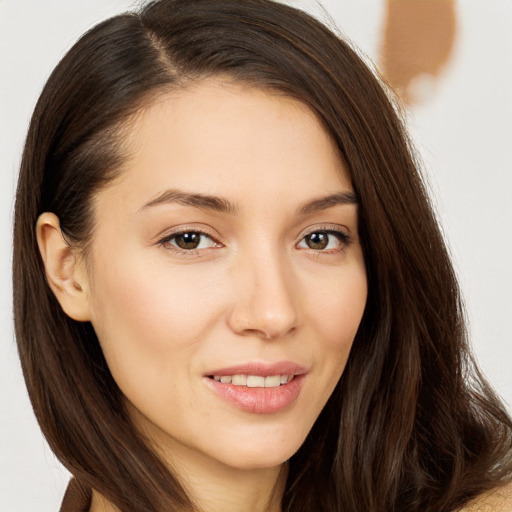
{"x":263,"y":369}
{"x":259,"y":400}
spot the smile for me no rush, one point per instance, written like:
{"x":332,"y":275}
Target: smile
{"x":258,"y":387}
{"x":254,"y":381}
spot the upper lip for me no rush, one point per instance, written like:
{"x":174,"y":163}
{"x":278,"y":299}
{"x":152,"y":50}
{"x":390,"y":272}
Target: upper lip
{"x":261,"y":368}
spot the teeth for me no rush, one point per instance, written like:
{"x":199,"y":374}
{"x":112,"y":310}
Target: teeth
{"x":272,"y":382}
{"x":239,"y":380}
{"x":254,"y":381}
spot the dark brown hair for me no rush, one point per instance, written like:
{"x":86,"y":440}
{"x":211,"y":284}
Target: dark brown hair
{"x":412,"y":425}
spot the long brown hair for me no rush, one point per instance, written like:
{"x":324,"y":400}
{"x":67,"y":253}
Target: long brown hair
{"x":412,"y":425}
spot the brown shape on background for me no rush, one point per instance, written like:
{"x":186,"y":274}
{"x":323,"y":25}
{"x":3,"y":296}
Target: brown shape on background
{"x":418,"y":40}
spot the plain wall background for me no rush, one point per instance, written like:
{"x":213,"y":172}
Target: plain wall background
{"x":463,"y":134}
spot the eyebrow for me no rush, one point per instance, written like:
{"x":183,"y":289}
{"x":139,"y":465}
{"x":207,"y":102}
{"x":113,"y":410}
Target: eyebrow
{"x":322,"y":203}
{"x":217,"y":204}
{"x":221,"y":205}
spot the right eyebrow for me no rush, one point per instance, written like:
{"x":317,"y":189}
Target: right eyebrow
{"x":323,"y":203}
{"x":203,"y":201}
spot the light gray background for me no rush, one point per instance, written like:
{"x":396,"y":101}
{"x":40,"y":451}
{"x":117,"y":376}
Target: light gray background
{"x":463,"y":133}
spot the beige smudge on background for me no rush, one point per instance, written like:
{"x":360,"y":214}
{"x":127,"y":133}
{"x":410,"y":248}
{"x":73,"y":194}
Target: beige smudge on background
{"x":418,"y":40}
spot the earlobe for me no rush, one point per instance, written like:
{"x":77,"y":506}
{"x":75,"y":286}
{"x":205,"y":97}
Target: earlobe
{"x":65,"y":269}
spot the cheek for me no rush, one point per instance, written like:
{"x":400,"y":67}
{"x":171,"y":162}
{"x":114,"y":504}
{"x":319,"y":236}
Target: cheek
{"x":334,"y":315}
{"x":150,"y":322}
{"x":336,"y":310}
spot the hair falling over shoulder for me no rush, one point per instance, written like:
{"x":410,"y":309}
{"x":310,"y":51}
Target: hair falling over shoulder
{"x":412,"y":425}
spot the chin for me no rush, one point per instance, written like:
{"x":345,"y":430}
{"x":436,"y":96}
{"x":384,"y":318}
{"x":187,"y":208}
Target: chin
{"x":270,"y":450}
{"x":256,"y":461}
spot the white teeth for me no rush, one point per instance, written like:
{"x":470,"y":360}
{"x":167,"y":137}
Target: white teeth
{"x":254,"y":381}
{"x":272,"y":382}
{"x":239,"y":380}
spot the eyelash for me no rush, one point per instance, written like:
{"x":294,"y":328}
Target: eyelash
{"x":166,"y":241}
{"x":342,"y":237}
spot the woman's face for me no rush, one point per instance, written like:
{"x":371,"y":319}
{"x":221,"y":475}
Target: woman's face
{"x":227,"y":250}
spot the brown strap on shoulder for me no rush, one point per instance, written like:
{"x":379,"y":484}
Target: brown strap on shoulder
{"x":77,"y":498}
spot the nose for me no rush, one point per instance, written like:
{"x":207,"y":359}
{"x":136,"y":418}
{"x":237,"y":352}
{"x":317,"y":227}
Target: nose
{"x":265,"y":302}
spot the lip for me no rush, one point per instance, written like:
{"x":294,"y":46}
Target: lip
{"x":260,"y":368}
{"x":259,"y":400}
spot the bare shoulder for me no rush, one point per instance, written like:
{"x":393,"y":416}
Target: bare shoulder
{"x":498,"y":500}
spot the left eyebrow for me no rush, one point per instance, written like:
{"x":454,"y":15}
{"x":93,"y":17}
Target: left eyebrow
{"x":323,"y":203}
{"x":217,"y":204}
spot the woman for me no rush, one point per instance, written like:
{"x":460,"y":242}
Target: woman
{"x":230,"y":289}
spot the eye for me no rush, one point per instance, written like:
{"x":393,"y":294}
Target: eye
{"x":326,"y":241}
{"x":186,"y":241}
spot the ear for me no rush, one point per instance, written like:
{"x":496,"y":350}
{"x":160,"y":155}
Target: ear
{"x":65,"y":268}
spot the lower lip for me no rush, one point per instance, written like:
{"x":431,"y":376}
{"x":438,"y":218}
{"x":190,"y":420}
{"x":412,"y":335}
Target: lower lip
{"x":259,"y":400}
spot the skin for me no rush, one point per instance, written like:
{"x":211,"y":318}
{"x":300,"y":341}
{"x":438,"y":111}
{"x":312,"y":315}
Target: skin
{"x":497,"y":500}
{"x":256,"y":289}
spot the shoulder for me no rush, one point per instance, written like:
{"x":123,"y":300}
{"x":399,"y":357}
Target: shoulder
{"x":497,"y":500}
{"x":77,"y":497}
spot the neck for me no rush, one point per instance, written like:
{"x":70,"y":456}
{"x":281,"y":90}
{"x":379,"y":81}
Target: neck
{"x":215,"y":487}
{"x":225,"y":490}
{"x":232,"y":490}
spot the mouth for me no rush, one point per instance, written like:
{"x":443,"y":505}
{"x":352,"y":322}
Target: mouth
{"x":253,"y":381}
{"x":258,"y":388}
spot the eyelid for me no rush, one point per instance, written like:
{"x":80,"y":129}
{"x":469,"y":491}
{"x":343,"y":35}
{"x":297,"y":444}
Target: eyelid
{"x":185,"y":228}
{"x":332,"y":228}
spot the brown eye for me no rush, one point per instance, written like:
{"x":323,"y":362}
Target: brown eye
{"x":325,"y":241}
{"x":317,"y":241}
{"x":188,"y":241}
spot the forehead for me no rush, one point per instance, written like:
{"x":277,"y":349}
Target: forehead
{"x":229,"y":139}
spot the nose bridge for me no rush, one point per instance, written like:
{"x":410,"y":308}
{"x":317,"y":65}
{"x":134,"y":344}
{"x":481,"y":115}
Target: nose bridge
{"x":265,"y":303}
